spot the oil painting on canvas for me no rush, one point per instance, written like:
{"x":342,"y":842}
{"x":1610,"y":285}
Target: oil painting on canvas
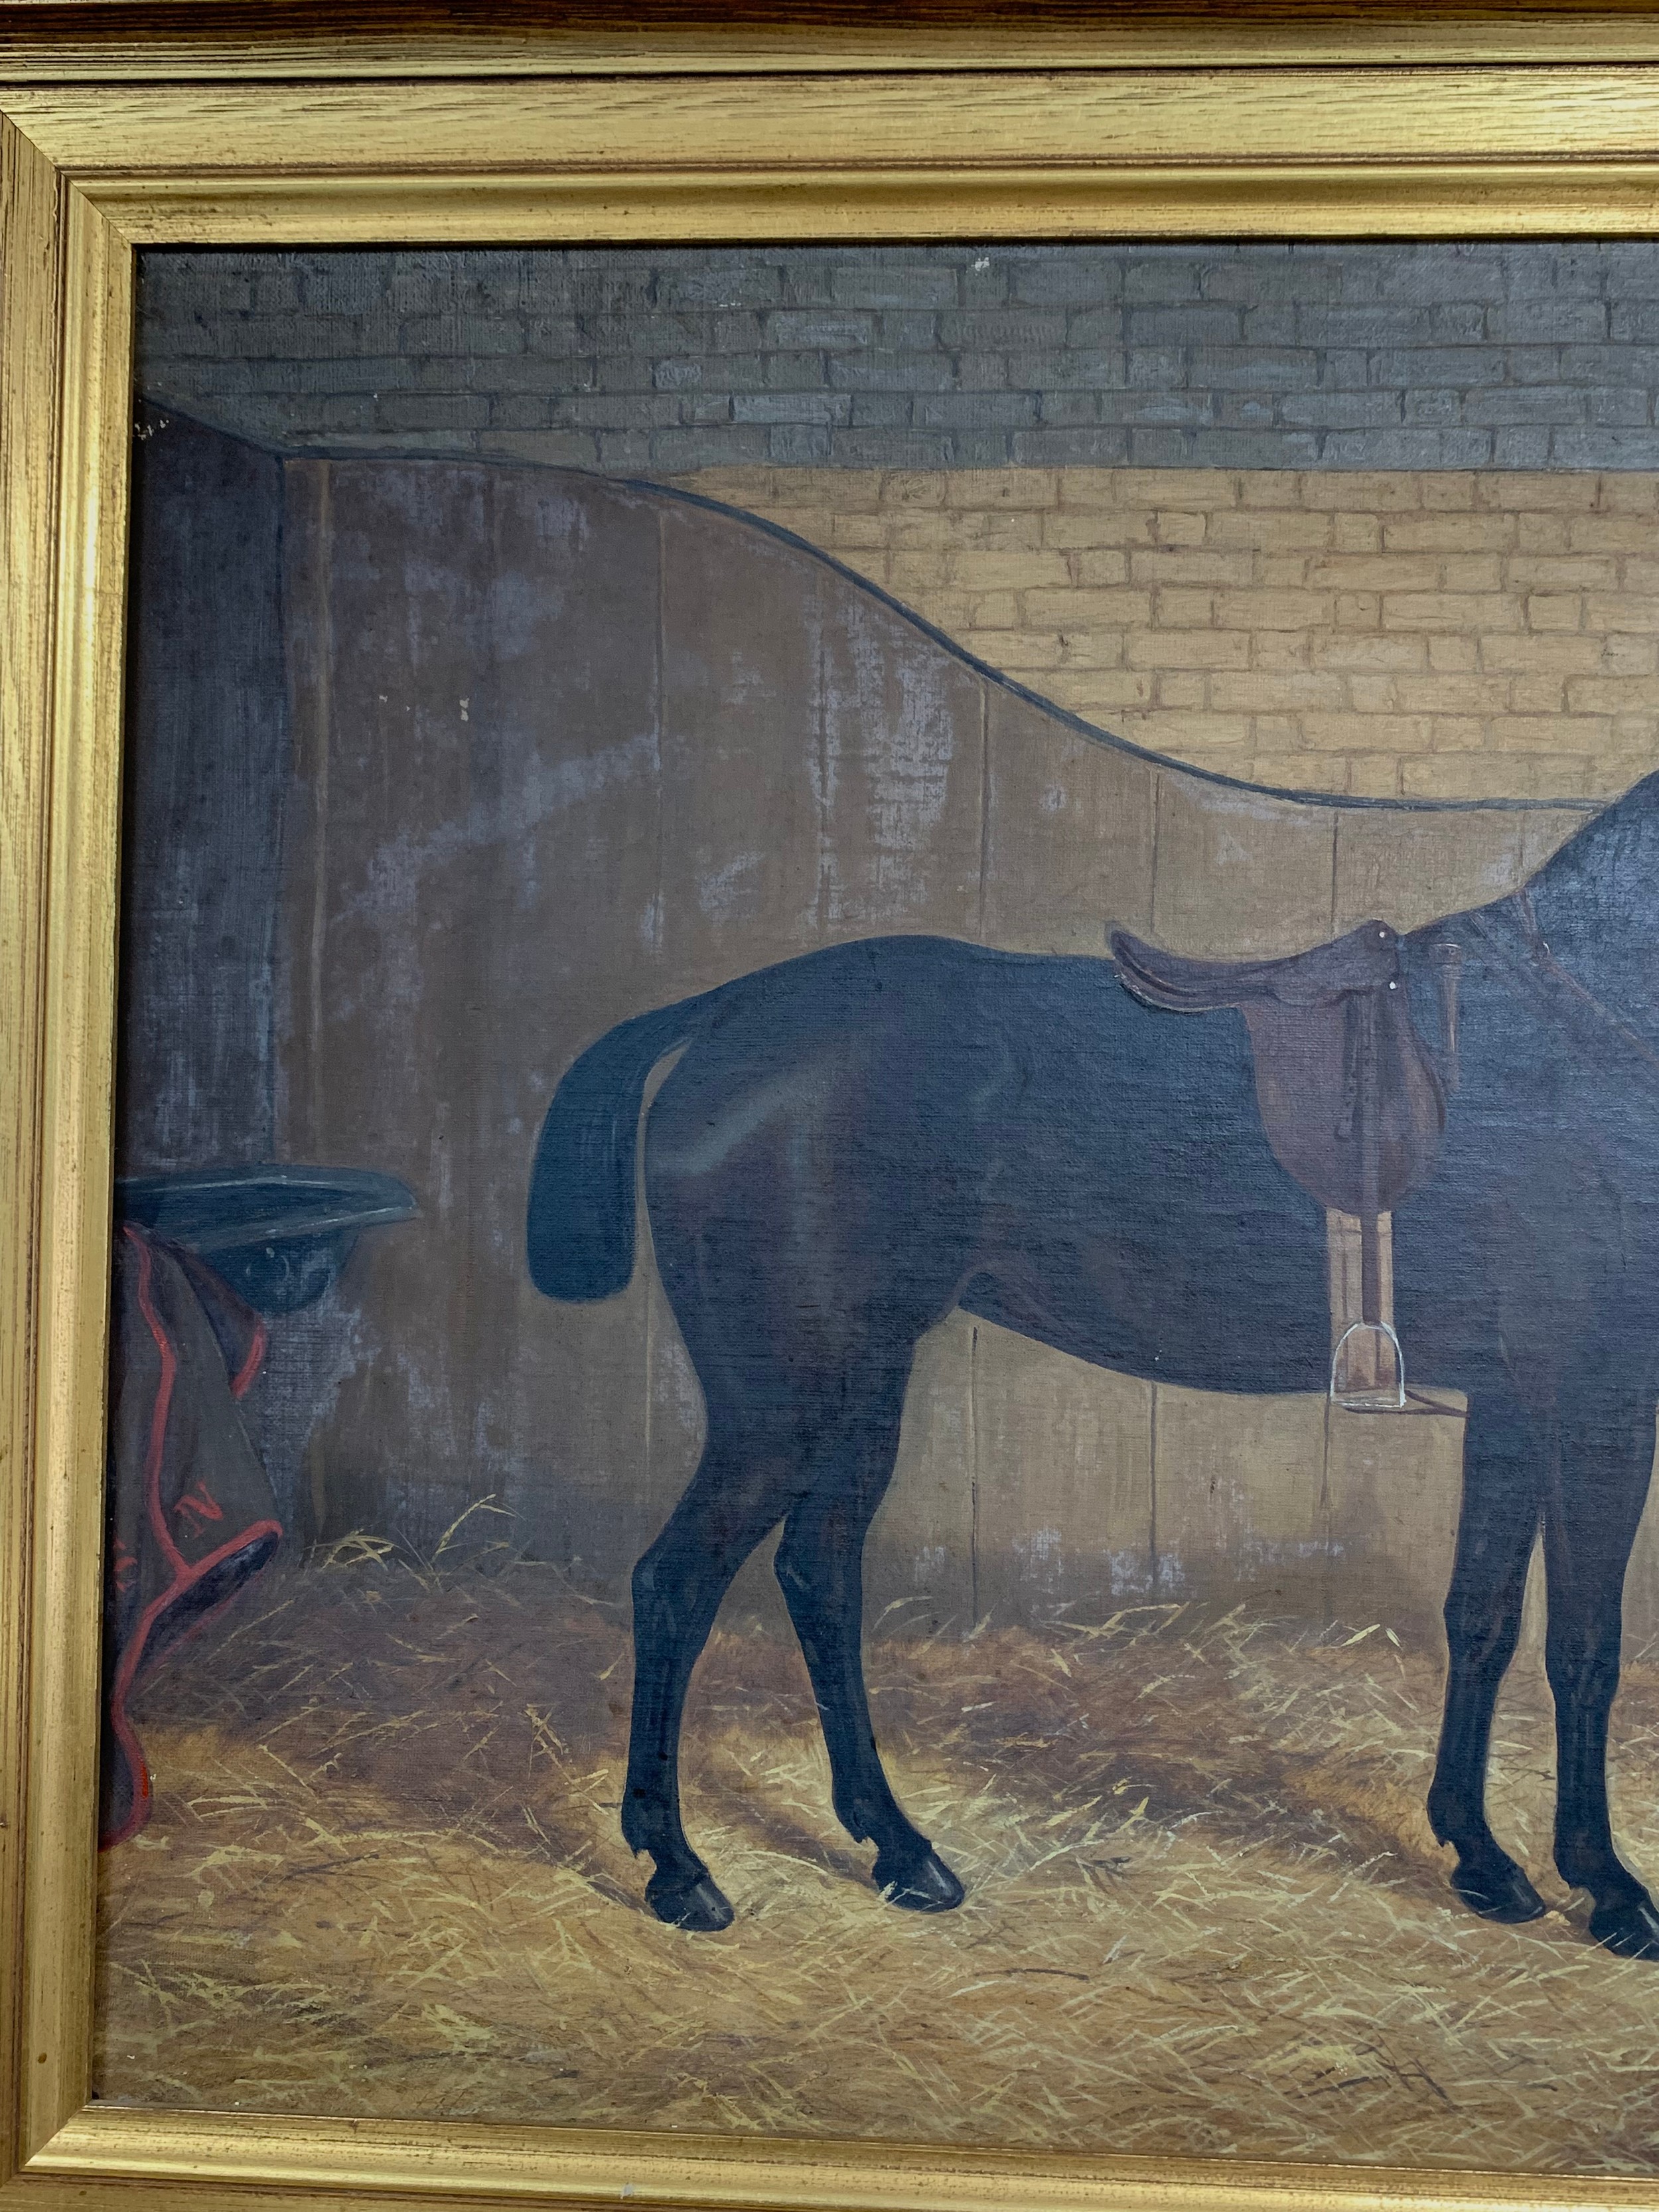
{"x":886,"y":1322}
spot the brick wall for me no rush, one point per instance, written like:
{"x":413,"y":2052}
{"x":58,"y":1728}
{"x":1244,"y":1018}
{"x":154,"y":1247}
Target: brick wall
{"x":1430,"y":633}
{"x":1398,"y":355}
{"x":1374,"y":517}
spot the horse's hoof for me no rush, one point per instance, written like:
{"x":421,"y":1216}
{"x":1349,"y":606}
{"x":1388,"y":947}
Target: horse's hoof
{"x":929,"y":1886}
{"x":1496,"y":1888}
{"x":1630,"y":1930}
{"x":697,"y":1904}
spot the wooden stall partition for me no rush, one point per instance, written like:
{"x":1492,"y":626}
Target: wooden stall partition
{"x":573,"y":749}
{"x":473,"y":897}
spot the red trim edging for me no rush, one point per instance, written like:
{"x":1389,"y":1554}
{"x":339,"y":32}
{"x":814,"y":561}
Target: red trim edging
{"x":185,"y":1575}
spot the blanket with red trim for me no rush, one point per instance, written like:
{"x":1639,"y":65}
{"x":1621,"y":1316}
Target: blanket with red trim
{"x":191,"y":1513}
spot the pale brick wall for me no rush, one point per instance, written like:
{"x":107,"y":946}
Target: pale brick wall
{"x":1427,"y":633}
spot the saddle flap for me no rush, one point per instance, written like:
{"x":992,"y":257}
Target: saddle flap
{"x":1352,"y":1105}
{"x":1308,"y":1069}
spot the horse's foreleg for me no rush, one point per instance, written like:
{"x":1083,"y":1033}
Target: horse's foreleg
{"x":820,"y":1569}
{"x":1590,"y":1523}
{"x":1504,"y":1455}
{"x":735,"y":1498}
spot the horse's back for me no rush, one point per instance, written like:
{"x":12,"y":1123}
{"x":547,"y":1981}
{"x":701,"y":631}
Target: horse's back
{"x":868,"y":1135}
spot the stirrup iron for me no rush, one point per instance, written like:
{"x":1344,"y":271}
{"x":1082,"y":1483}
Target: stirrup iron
{"x":1367,"y":1355}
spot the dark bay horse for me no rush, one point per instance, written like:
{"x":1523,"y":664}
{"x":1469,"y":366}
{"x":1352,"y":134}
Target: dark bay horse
{"x":853,"y":1143}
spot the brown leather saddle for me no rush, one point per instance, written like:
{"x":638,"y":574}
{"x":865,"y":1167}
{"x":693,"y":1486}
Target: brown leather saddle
{"x":1351,"y":1101}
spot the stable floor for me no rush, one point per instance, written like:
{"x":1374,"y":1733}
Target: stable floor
{"x":1205,"y":1912}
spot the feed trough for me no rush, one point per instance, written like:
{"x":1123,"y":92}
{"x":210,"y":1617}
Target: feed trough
{"x":277,"y":1235}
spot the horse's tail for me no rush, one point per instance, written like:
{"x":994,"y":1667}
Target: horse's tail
{"x":580,"y":1229}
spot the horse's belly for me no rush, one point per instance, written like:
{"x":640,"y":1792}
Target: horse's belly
{"x":1147,"y":1225}
{"x":1207,"y":1312}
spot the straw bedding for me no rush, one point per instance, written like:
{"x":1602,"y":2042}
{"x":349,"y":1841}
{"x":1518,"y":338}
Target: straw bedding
{"x":1205,"y":1912}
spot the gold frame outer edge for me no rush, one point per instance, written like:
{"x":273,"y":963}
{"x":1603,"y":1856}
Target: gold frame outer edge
{"x":132,"y":42}
{"x":86,"y":177}
{"x":28,"y":380}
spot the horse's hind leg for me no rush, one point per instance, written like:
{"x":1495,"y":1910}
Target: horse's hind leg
{"x":1589,"y":1524}
{"x":1504,"y":1461}
{"x":742,"y":1490}
{"x":820,"y":1569}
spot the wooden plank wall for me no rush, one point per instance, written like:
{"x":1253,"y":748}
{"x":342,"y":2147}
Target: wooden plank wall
{"x":577,"y":748}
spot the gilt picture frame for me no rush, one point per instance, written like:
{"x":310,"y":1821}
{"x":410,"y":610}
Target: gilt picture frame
{"x":1212,"y":127}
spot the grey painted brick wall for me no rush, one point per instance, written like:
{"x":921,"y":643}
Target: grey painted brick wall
{"x":665,"y":360}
